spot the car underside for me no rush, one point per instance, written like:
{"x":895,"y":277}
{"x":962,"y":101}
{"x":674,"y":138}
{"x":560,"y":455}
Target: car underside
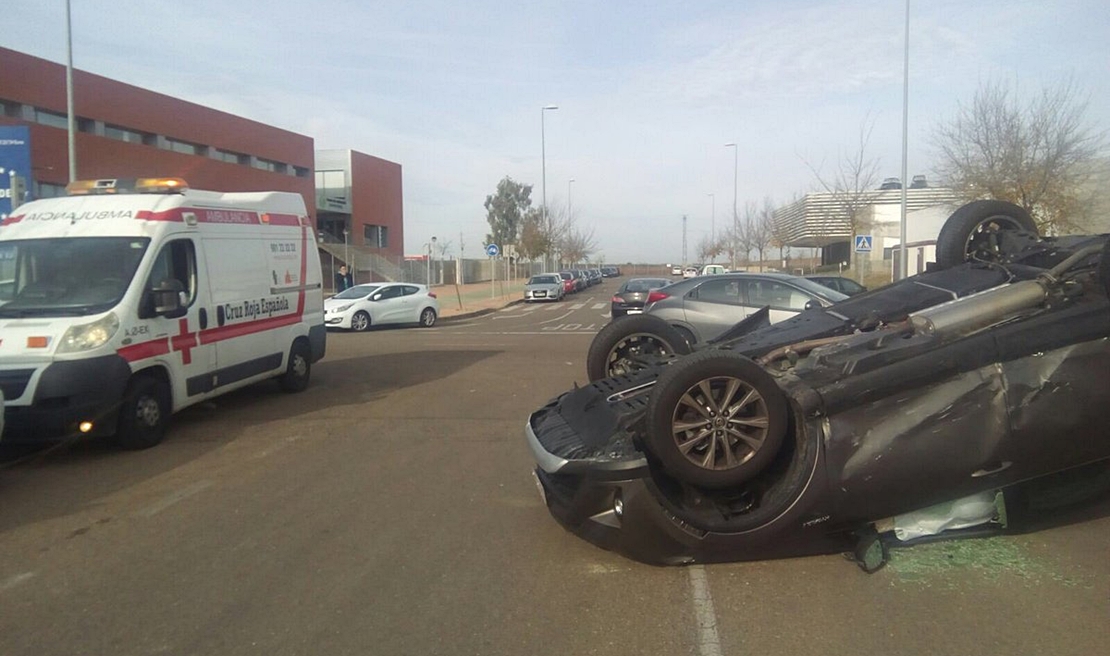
{"x":804,"y":436}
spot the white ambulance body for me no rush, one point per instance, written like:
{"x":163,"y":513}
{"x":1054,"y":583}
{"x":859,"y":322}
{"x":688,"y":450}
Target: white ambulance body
{"x":129,"y":300}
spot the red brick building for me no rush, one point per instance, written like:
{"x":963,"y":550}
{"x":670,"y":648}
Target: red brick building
{"x":125,"y":131}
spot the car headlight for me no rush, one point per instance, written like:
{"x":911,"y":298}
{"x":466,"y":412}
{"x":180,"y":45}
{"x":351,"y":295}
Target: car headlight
{"x":85,"y":337}
{"x":342,"y":308}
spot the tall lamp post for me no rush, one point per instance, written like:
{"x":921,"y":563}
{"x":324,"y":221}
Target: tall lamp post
{"x":903,"y":266}
{"x":569,"y":183}
{"x":713,"y":219}
{"x":735,"y":178}
{"x":543,"y":161}
{"x":71,"y":121}
{"x":431,"y":249}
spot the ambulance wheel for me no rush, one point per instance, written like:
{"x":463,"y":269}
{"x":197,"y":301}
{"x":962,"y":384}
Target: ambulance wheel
{"x":360,"y":322}
{"x":299,"y":369}
{"x":145,"y":413}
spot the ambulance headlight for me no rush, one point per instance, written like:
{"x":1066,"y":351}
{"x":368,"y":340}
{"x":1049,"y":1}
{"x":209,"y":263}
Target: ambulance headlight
{"x":88,"y":336}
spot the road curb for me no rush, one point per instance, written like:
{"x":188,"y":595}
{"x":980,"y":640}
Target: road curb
{"x":477,"y":313}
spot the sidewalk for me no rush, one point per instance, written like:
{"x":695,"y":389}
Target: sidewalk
{"x":473,"y":299}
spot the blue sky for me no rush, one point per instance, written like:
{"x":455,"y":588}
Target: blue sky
{"x":648,"y":92}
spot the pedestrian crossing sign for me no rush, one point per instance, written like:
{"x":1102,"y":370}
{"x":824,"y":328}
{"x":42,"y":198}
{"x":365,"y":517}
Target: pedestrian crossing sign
{"x":863,"y":243}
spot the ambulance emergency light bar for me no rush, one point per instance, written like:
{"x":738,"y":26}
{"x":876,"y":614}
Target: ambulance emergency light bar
{"x":126,"y":186}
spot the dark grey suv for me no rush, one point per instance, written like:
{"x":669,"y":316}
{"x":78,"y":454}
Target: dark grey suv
{"x":704,"y":307}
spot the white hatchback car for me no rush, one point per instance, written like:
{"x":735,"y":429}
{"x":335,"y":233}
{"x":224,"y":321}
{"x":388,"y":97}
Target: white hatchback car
{"x":377,"y":304}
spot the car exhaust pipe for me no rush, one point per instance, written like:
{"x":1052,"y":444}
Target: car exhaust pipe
{"x":979,"y":310}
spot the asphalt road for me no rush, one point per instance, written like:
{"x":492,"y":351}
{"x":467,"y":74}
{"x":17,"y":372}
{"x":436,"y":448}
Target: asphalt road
{"x":390,"y":510}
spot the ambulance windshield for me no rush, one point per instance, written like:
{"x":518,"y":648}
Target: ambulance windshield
{"x":68,"y":276}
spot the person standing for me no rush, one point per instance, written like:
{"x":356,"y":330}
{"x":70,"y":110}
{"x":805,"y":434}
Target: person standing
{"x":343,"y":279}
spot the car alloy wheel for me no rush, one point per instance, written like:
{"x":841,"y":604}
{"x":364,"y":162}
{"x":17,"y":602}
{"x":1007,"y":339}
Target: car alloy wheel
{"x":716,"y":419}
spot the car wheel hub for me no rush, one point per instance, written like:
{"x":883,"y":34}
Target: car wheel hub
{"x":720,"y":423}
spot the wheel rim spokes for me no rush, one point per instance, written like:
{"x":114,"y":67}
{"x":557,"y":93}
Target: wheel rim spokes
{"x":622,"y":357}
{"x":720,"y":423}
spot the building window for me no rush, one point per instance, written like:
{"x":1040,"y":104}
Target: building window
{"x":231,"y":157}
{"x":9,"y":108}
{"x":300,"y":171}
{"x":123,"y":134}
{"x":52,"y":119}
{"x":184,"y":147}
{"x":48,"y":190}
{"x":268,"y":165}
{"x":376,"y":236}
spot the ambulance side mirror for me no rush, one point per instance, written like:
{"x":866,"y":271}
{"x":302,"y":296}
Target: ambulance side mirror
{"x":167,"y":299}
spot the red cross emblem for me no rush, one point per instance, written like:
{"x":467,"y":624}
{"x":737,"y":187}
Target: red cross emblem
{"x":184,"y":341}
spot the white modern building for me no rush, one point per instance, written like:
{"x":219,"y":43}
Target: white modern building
{"x":821,"y":220}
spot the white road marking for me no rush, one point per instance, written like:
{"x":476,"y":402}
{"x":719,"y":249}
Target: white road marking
{"x":173,"y":497}
{"x":13,"y":581}
{"x":578,"y":306}
{"x":599,"y":306}
{"x":561,"y":316}
{"x":709,"y":643}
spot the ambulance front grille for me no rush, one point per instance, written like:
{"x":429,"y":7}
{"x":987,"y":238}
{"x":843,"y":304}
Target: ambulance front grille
{"x":14,"y":381}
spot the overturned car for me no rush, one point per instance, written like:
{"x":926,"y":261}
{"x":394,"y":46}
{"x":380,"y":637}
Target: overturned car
{"x":989,"y":370}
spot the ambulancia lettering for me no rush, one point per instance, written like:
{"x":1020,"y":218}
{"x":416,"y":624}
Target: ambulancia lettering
{"x":79,"y":216}
{"x":229,"y":216}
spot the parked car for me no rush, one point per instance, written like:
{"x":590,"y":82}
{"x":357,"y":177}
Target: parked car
{"x":544,"y":287}
{"x":363,"y":306}
{"x":985,"y":374}
{"x":704,"y":307}
{"x":610,"y":271}
{"x":845,"y":286}
{"x":580,"y":282}
{"x":570,"y":285}
{"x":632,"y":295}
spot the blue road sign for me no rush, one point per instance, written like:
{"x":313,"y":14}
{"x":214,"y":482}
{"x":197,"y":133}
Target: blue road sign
{"x":15,"y":166}
{"x":492,"y":250}
{"x":863,"y":243}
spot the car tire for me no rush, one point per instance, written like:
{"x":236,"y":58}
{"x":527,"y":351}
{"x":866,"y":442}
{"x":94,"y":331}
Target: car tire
{"x":715,"y":419}
{"x":427,"y":318}
{"x":298,"y":370}
{"x":687,"y":335}
{"x":144,"y":414}
{"x":969,"y":234}
{"x":360,"y":322}
{"x":643,"y":334}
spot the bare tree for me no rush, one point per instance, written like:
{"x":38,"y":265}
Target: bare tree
{"x":761,"y":232}
{"x":708,"y":248}
{"x":854,"y":184}
{"x":578,"y":244}
{"x":1040,"y":154}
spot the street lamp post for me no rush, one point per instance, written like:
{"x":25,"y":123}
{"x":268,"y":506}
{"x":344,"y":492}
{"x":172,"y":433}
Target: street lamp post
{"x":543,"y":162}
{"x":735,"y":178}
{"x":71,"y":121}
{"x":903,"y":266}
{"x":569,"y":183}
{"x":713,"y":220}
{"x":431,"y":250}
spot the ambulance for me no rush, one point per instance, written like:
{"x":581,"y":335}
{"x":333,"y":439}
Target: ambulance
{"x":128,"y":300}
